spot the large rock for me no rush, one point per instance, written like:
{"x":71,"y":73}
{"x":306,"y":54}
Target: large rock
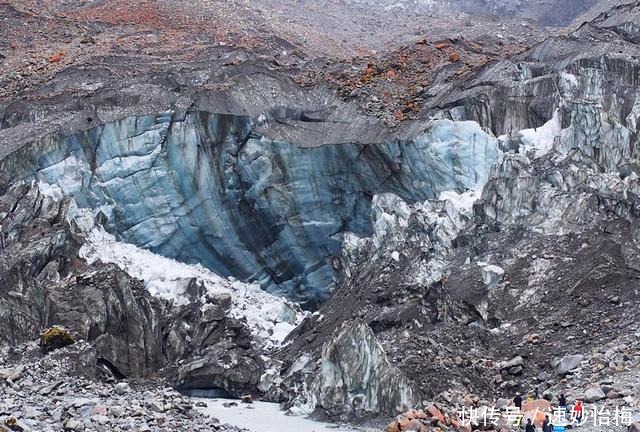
{"x":44,"y":283}
{"x":515,"y":366}
{"x":593,"y":395}
{"x":568,"y":363}
{"x":223,"y":365}
{"x":536,"y":410}
{"x":98,"y":306}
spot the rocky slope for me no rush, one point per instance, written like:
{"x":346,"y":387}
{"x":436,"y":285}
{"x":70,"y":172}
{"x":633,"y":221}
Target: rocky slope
{"x":60,"y":392}
{"x":457,"y":253}
{"x":198,"y":331}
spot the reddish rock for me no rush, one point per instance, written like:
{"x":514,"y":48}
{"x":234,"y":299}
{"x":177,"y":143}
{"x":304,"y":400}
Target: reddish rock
{"x":392,"y":427}
{"x":464,"y":428}
{"x":411,"y":414}
{"x":442,"y":46}
{"x":422,"y":415}
{"x":540,"y":404}
{"x":536,"y":411}
{"x":536,"y":416}
{"x":399,"y":116}
{"x":101,"y":410}
{"x":56,"y":57}
{"x":454,"y":58}
{"x":533,"y":339}
{"x":416,"y":426}
{"x":403,"y":421}
{"x":468,"y":401}
{"x":435,"y":413}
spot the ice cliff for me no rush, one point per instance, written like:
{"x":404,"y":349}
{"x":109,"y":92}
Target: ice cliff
{"x":206,"y":188}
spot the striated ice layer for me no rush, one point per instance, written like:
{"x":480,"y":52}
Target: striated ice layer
{"x":203,"y":188}
{"x":356,"y":375}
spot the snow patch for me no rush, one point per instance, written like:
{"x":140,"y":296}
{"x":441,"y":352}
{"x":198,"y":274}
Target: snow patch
{"x":538,"y":141}
{"x":462,"y":202}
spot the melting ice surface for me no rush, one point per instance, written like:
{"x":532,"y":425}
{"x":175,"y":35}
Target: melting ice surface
{"x":267,"y":417}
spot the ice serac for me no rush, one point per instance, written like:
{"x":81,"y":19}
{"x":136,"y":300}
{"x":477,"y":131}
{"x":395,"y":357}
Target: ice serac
{"x":564,"y":175}
{"x":357,"y":378}
{"x":206,"y":188}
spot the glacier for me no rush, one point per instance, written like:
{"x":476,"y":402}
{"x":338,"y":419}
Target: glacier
{"x":205,"y":188}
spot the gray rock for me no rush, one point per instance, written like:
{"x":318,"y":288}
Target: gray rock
{"x":212,"y":312}
{"x":221,"y":299}
{"x":593,"y":395}
{"x":97,"y":303}
{"x":74,"y":425}
{"x":225,"y":365}
{"x":122,"y":388}
{"x":515,"y":362}
{"x":568,"y":363}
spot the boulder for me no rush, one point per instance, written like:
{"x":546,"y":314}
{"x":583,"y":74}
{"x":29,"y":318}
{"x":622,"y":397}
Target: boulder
{"x":536,"y":410}
{"x":539,"y":404}
{"x":416,"y":426}
{"x":220,"y":299}
{"x":434,"y":412}
{"x":568,"y":363}
{"x":122,"y":388}
{"x":392,"y":427}
{"x":225,"y":365}
{"x":55,"y":338}
{"x":74,"y":425}
{"x":515,"y":366}
{"x":594,"y":394}
{"x":492,"y":275}
{"x":14,"y":425}
{"x":212,"y":312}
{"x":403,"y":421}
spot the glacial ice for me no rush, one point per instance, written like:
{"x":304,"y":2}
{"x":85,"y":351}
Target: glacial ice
{"x":356,"y":375}
{"x":203,"y":188}
{"x":538,"y":141}
{"x":574,"y":170}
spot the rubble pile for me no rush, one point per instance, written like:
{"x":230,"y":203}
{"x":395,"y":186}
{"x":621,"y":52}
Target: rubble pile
{"x":64,"y":390}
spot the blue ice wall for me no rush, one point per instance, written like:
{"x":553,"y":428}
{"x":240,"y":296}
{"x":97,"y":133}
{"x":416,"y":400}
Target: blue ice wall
{"x":203,"y":188}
